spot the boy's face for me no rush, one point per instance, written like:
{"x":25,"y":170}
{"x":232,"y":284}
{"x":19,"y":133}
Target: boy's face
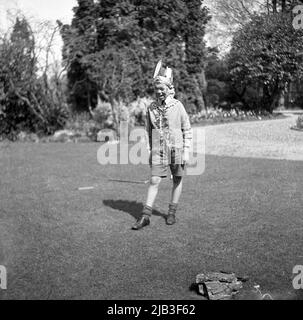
{"x":161,"y":91}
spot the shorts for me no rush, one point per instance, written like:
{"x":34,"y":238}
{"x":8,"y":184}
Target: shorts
{"x":162,"y":159}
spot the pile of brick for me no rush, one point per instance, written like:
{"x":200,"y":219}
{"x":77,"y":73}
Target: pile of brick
{"x":219,"y":285}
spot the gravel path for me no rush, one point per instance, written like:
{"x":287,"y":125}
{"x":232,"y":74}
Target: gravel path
{"x":263,"y":139}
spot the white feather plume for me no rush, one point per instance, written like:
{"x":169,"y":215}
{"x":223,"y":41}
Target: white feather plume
{"x":158,"y":68}
{"x":168,"y":73}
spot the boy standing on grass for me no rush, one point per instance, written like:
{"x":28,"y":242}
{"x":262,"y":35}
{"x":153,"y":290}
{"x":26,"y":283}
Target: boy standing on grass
{"x":169,"y":137}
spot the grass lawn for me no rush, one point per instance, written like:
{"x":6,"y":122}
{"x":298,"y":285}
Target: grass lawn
{"x":242,"y":215}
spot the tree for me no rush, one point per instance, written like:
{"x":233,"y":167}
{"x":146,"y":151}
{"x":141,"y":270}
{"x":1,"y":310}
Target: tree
{"x":146,"y":31}
{"x":26,"y":100}
{"x":227,"y":17}
{"x":17,"y":70}
{"x":264,"y":58}
{"x":218,"y":77}
{"x":283,"y":5}
{"x":80,"y":39}
{"x":174,"y":31}
{"x":113,"y":72}
{"x":196,"y":20}
{"x":230,"y":15}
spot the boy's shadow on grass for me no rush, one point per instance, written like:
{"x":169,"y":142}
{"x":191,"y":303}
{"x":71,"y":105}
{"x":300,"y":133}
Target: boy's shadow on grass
{"x":132,"y":207}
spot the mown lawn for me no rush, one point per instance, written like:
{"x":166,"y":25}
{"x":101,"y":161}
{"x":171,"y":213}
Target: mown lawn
{"x":241,"y":215}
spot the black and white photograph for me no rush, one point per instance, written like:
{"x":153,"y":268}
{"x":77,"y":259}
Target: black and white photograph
{"x":151,"y":153}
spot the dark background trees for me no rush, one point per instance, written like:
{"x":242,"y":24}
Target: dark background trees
{"x":262,"y":61}
{"x":17,"y":73}
{"x":144,"y":31}
{"x":29,"y":100}
{"x":111,"y":48}
{"x":264,"y":57}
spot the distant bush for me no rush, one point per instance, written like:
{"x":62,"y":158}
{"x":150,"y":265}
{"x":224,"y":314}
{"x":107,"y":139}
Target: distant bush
{"x":263,"y":59}
{"x":297,"y":102}
{"x":84,"y":125}
{"x":138,"y":110}
{"x":218,"y":88}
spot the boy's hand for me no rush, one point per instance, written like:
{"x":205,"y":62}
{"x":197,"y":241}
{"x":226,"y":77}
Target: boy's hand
{"x":185,"y":156}
{"x":150,"y":158}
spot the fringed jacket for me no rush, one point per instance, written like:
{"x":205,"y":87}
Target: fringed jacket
{"x":168,"y":125}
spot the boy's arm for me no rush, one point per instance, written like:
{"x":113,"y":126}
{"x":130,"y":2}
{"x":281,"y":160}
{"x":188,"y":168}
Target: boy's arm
{"x":148,"y":131}
{"x":186,"y":131}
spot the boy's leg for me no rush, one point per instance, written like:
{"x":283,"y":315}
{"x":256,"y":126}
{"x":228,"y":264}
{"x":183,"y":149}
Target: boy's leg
{"x":152,"y":190}
{"x":177,"y":170}
{"x":175,"y":196}
{"x":159,"y":168}
{"x":177,"y":189}
{"x":144,"y":220}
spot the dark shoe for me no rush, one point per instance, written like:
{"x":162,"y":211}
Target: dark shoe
{"x":141,"y":222}
{"x":171,"y":219}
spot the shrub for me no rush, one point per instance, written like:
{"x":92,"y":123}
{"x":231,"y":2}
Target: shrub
{"x":212,"y":100}
{"x":138,"y":109}
{"x":103,"y":114}
{"x":263,"y":57}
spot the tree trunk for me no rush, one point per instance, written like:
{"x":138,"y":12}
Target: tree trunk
{"x":273,"y":104}
{"x":266,"y":101}
{"x":204,"y":106}
{"x":270,"y":99}
{"x":283,"y":4}
{"x":241,"y":97}
{"x":202,"y":83}
{"x":115,"y":105}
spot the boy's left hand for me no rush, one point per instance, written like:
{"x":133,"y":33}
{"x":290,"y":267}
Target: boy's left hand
{"x":185,"y":156}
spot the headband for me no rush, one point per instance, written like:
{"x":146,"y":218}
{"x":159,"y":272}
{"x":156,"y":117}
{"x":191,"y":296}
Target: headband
{"x":165,"y":77}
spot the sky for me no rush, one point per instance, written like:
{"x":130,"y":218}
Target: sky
{"x":42,"y":9}
{"x":38,"y":11}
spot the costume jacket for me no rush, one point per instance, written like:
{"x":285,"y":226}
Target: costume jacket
{"x":168,"y":125}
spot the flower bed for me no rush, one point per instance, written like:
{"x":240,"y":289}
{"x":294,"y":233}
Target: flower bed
{"x":217,"y":116}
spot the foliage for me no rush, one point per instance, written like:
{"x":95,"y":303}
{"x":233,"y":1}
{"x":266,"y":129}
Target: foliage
{"x":27,"y":102}
{"x":138,"y":110}
{"x":297,"y":102}
{"x":111,"y":49}
{"x":79,"y":40}
{"x":227,"y":17}
{"x":216,"y":67}
{"x":194,"y":84}
{"x":230,"y":15}
{"x":17,"y":72}
{"x":216,"y":91}
{"x":83,"y":125}
{"x":234,"y":113}
{"x":264,"y":59}
{"x":218,"y":79}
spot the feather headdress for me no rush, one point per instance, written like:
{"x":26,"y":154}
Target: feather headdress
{"x":161,"y":76}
